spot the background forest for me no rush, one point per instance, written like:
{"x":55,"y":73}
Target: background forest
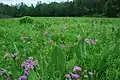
{"x":96,"y":8}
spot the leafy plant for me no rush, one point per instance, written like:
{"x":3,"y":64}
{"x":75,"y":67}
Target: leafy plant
{"x":26,"y":19}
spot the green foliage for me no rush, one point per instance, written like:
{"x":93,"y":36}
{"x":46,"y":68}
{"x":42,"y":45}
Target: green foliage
{"x":26,"y":19}
{"x":32,"y":75}
{"x":68,"y":48}
{"x":81,"y":49}
{"x":58,"y":59}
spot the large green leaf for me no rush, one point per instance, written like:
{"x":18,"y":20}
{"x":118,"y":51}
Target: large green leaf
{"x":14,"y":65}
{"x":81,"y":49}
{"x":32,"y":75}
{"x":14,"y":69}
{"x":57,"y":59}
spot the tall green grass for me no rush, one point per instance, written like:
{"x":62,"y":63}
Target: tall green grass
{"x":68,"y":49}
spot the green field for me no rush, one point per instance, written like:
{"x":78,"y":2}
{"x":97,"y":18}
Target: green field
{"x":58,"y":45}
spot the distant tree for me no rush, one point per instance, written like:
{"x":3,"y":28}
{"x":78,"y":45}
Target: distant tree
{"x":22,"y":9}
{"x":110,"y":8}
{"x":31,"y":10}
{"x":60,"y":9}
{"x":37,"y":9}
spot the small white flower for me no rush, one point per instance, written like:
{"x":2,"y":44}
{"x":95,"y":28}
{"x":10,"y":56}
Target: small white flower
{"x":65,"y":28}
{"x":79,"y":37}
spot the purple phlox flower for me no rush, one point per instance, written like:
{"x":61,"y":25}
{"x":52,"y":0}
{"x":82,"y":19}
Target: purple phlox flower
{"x":25,"y":37}
{"x":93,"y":42}
{"x":2,"y":72}
{"x":22,"y":77}
{"x":8,"y":78}
{"x":62,"y":46}
{"x":68,"y":76}
{"x":77,"y":68}
{"x":26,"y":72}
{"x":23,"y":64}
{"x":76,"y":76}
{"x":29,"y":64}
{"x":90,"y":73}
{"x":89,"y":41}
{"x":6,"y":55}
{"x":51,"y":42}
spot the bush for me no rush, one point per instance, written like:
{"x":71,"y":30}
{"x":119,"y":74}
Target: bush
{"x":26,"y":19}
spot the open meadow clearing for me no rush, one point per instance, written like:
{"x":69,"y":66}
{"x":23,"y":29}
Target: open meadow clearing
{"x":60,"y":48}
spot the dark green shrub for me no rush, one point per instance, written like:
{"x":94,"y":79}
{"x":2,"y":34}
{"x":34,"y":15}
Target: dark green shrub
{"x":26,"y":19}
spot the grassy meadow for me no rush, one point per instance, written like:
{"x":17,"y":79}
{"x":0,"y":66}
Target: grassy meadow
{"x":60,"y":48}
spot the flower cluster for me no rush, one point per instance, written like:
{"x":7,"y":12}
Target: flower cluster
{"x":77,"y":73}
{"x":6,"y":55}
{"x":62,"y":46}
{"x":52,"y":42}
{"x":14,"y":56}
{"x":77,"y":68}
{"x":89,"y":41}
{"x":26,"y":39}
{"x":8,"y":78}
{"x":22,"y":77}
{"x":74,"y":74}
{"x":2,"y":72}
{"x":29,"y":64}
{"x":46,"y":34}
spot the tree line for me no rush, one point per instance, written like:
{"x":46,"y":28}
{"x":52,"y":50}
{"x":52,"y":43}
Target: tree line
{"x":106,"y":8}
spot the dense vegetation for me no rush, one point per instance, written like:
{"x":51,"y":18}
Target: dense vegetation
{"x":108,"y":8}
{"x":49,"y":48}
